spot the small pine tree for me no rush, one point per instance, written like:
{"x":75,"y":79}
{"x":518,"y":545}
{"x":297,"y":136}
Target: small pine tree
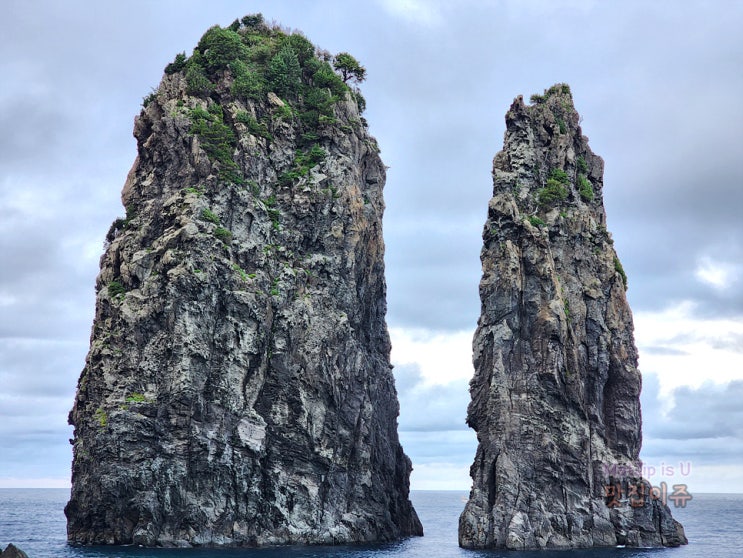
{"x":325,"y":77}
{"x":253,"y":21}
{"x":197,"y":82}
{"x":246,"y":84}
{"x":349,"y":67}
{"x":220,"y":47}
{"x":302,"y":46}
{"x":176,"y":65}
{"x":284,"y":72}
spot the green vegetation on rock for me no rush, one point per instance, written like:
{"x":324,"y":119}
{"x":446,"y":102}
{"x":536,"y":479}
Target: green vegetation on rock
{"x":585,"y":189}
{"x":217,"y":138}
{"x":197,"y":82}
{"x":254,"y":127}
{"x":101,"y":417}
{"x":219,"y":47}
{"x":176,"y":65}
{"x":304,"y":160}
{"x":349,"y":67}
{"x":223,"y":234}
{"x":247,"y":84}
{"x":116,"y":289}
{"x":536,"y":221}
{"x":209,"y":215}
{"x":240,"y":271}
{"x":256,"y":60}
{"x":555,"y":189}
{"x":619,"y":269}
{"x":284,"y":73}
{"x":557,"y":89}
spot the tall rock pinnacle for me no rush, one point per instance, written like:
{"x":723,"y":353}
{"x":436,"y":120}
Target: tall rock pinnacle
{"x":238,"y":388}
{"x":556,"y":391}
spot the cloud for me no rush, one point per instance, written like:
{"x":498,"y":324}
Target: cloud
{"x":46,"y":276}
{"x":438,"y":357}
{"x":34,"y":437}
{"x":36,"y":126}
{"x":718,"y":275}
{"x":38,"y":379}
{"x":441,"y":476}
{"x":433,"y":430}
{"x":663,"y":351}
{"x":420,"y":12}
{"x":430,"y":408}
{"x":684,"y":350}
{"x":698,"y":438}
{"x":655,"y":102}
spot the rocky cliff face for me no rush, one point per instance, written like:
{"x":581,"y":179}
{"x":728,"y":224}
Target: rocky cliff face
{"x":555,"y":396}
{"x":238,"y":389}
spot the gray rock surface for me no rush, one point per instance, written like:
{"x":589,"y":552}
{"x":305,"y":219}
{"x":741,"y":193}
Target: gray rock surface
{"x":555,"y":395}
{"x":238,"y":388}
{"x":12,"y":551}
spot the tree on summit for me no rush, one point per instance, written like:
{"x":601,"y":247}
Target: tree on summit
{"x":284,"y":72}
{"x":349,"y":67}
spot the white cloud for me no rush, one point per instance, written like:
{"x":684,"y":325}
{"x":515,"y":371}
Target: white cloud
{"x":712,"y":478}
{"x":441,"y":476}
{"x":441,"y":357}
{"x":697,"y":476}
{"x":687,"y":351}
{"x":422,"y":12}
{"x":719,"y":275}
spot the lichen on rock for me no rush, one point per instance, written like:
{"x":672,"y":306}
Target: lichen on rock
{"x":238,"y":388}
{"x":556,"y":391}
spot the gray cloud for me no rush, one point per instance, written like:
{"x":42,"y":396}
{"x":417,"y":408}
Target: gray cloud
{"x":445,"y":446}
{"x":33,"y":125}
{"x":655,"y":88}
{"x":663,"y":351}
{"x":654,"y":102}
{"x":430,"y":408}
{"x":704,"y":424}
{"x":731,"y":342}
{"x":436,"y":283}
{"x":432,"y":420}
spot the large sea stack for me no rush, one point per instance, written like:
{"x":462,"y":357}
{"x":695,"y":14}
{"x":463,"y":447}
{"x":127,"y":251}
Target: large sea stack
{"x":556,"y":391}
{"x":238,"y":388}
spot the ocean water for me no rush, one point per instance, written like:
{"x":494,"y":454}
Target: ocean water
{"x":32,"y":519}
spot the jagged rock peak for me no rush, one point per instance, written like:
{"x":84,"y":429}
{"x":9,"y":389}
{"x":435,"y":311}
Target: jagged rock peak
{"x":556,"y":391}
{"x":12,"y":551}
{"x":238,"y":388}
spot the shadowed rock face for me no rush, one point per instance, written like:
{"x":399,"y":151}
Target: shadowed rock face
{"x":555,"y":396}
{"x":12,"y":551}
{"x":238,"y":389}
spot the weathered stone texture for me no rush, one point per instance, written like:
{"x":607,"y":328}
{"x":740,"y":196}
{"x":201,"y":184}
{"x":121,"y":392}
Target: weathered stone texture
{"x":555,"y":396}
{"x":238,"y":388}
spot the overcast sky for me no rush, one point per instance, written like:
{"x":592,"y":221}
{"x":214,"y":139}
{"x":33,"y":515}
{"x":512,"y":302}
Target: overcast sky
{"x":657,"y":83}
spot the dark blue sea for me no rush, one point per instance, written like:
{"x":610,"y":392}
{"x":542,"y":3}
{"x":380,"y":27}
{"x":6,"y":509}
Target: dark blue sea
{"x":32,"y":519}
